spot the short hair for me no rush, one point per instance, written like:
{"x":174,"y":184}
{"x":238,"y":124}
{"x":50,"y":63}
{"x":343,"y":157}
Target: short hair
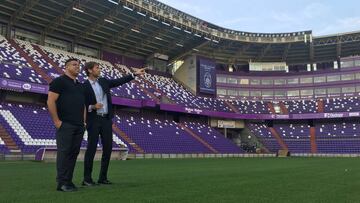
{"x":88,"y":66}
{"x":71,"y":59}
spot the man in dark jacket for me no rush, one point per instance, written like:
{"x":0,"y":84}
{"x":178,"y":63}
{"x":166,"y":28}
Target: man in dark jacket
{"x":99,"y":118}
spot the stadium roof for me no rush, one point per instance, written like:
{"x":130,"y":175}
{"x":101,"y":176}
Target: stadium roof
{"x":132,"y":26}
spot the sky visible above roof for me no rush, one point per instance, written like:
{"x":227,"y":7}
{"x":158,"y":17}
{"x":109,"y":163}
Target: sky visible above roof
{"x":323,"y":17}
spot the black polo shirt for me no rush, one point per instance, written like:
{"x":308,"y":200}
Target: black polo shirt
{"x":71,"y":102}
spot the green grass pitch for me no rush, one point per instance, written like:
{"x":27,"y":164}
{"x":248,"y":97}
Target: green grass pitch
{"x":192,"y":180}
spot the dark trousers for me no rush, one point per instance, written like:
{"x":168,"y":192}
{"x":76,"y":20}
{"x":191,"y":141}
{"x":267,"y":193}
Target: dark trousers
{"x":98,"y":126}
{"x":68,"y":142}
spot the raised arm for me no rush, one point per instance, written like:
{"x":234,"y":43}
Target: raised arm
{"x":127,"y":78}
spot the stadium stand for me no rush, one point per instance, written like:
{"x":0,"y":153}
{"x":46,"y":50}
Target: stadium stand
{"x":262,"y":132}
{"x":301,"y":106}
{"x":338,"y":136}
{"x":251,"y":107}
{"x":158,"y":135}
{"x":31,"y":127}
{"x":38,"y":58}
{"x":32,"y":58}
{"x":29,"y":137}
{"x":342,"y":104}
{"x":213,"y":137}
{"x":15,"y":67}
{"x":129,"y":90}
{"x":177,"y":93}
{"x":151,"y":133}
{"x":296,"y":136}
{"x":334,"y":136}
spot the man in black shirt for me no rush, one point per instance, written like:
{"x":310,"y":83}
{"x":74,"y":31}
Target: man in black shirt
{"x":66,"y":105}
{"x":99,"y":115}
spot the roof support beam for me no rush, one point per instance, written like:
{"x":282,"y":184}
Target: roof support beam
{"x":110,"y":15}
{"x":160,"y":32}
{"x":190,"y":50}
{"x":311,"y":52}
{"x":59,"y":20}
{"x":263,"y":52}
{"x":123,"y":33}
{"x":286,"y":52}
{"x":240,"y":52}
{"x":173,"y":44}
{"x":18,"y":14}
{"x":338,"y":47}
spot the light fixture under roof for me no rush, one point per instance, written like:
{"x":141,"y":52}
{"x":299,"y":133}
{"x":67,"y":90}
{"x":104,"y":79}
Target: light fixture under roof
{"x":154,"y":19}
{"x":109,"y":21}
{"x":78,"y":10}
{"x":128,"y":8}
{"x":197,"y":35}
{"x":158,"y":38}
{"x":114,"y":2}
{"x":165,"y":23}
{"x":180,"y":45}
{"x":142,"y":14}
{"x":187,"y":31}
{"x":176,"y":27}
{"x":135,"y":30}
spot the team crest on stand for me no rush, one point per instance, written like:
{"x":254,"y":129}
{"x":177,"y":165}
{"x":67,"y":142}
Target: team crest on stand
{"x":207,"y":80}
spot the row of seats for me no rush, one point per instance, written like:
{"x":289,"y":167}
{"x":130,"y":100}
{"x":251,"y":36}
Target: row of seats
{"x":37,"y":57}
{"x":18,"y":121}
{"x":129,"y":90}
{"x":263,"y":134}
{"x":337,"y":136}
{"x":13,"y":66}
{"x":152,"y":133}
{"x":301,"y":106}
{"x":342,"y":104}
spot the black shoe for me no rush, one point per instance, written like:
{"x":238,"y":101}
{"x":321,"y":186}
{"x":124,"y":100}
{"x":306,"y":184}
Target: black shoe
{"x":66,"y":188}
{"x":88,"y":183}
{"x":105,"y":182}
{"x":71,"y":184}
